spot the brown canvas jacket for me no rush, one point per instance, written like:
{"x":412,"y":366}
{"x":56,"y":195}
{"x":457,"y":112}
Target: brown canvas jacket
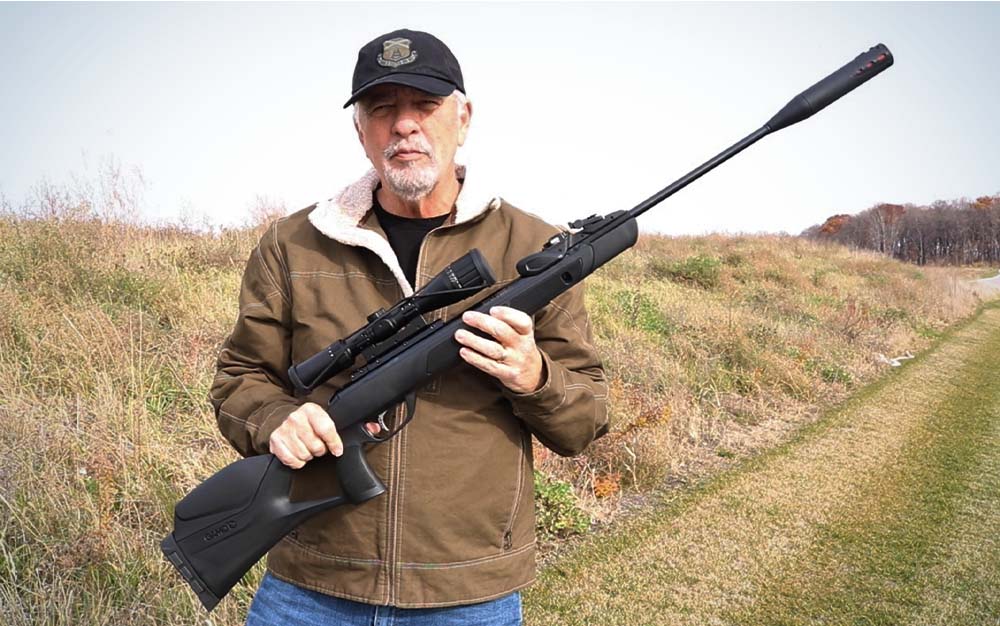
{"x":456,"y":525}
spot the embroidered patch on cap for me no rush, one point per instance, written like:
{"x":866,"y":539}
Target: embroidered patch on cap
{"x":396,"y":52}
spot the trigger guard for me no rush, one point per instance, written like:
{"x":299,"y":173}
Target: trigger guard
{"x":358,"y":432}
{"x":386,"y":433}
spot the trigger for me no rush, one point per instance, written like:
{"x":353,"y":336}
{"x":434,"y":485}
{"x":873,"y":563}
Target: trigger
{"x":381,"y":423}
{"x":411,"y":407}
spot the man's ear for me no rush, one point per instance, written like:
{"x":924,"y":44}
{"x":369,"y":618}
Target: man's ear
{"x":465,"y":117}
{"x":357,"y":128}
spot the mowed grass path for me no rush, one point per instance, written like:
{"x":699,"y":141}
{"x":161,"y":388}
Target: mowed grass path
{"x":887,"y":511}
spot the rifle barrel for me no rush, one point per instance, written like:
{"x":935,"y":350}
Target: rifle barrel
{"x":698,"y":172}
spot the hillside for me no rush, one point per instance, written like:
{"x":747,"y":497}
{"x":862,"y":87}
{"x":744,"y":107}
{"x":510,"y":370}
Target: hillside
{"x":716,"y":347}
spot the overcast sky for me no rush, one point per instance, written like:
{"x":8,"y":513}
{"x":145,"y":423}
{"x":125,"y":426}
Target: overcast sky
{"x":578,"y":108}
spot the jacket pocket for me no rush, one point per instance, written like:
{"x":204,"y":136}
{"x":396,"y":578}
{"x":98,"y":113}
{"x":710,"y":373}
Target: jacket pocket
{"x":507,"y":538}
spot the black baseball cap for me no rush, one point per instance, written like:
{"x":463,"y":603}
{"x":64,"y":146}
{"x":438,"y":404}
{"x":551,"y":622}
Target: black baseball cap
{"x":406,"y":57}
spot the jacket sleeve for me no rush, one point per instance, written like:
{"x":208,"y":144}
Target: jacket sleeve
{"x":570,"y":409}
{"x":251,"y":392}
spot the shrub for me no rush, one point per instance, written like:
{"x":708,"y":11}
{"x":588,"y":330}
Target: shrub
{"x":830,"y":372}
{"x":642,"y":313}
{"x":557,"y":513}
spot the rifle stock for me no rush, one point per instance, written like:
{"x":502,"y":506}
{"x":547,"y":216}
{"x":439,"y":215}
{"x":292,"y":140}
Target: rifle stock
{"x":229,"y":521}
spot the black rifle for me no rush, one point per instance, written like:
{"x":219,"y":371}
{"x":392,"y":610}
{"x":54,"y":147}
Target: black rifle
{"x":229,"y":521}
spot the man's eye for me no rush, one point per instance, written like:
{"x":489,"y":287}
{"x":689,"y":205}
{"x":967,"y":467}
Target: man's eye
{"x":380,"y":109}
{"x":430,"y":104}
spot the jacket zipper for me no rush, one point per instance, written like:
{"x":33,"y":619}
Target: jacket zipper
{"x":397,"y":455}
{"x":396,"y":459}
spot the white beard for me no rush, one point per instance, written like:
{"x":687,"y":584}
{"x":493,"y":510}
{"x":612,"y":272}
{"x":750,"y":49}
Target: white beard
{"x":411,"y":182}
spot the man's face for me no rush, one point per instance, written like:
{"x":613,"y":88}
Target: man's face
{"x":411,"y":137}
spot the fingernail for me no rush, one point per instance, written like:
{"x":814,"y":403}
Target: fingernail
{"x":337,"y":450}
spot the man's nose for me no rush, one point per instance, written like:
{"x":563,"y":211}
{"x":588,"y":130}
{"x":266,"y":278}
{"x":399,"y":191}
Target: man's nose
{"x":405,"y":124}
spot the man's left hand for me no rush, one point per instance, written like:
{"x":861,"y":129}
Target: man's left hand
{"x":512,"y":356}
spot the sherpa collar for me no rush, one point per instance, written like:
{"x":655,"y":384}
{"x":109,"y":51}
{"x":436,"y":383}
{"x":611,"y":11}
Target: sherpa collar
{"x":340,"y":217}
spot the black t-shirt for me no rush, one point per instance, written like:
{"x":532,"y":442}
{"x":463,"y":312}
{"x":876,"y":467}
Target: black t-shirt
{"x":405,"y":235}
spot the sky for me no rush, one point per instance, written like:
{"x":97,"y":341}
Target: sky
{"x":577,"y":108}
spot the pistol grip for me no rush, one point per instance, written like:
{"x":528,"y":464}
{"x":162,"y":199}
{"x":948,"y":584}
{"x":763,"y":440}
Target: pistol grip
{"x":357,"y":480}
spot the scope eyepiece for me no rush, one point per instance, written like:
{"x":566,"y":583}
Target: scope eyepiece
{"x":463,"y":278}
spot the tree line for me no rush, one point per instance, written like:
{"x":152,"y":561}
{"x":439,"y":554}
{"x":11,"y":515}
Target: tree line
{"x":956,"y":232}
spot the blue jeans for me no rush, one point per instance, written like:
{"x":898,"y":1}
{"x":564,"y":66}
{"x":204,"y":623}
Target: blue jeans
{"x":278,"y":603}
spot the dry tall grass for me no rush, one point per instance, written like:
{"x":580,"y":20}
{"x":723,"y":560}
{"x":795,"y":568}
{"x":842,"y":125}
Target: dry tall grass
{"x":109,"y":331}
{"x":718,"y":346}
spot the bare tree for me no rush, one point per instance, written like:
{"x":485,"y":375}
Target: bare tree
{"x":958,"y":232}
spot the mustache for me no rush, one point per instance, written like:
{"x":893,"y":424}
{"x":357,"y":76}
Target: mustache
{"x":416,"y":144}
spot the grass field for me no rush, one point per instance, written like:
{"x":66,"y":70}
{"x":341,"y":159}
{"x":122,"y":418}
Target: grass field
{"x":717,"y":347}
{"x":886,"y":511}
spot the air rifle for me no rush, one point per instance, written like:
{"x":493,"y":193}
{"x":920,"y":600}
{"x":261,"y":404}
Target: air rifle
{"x":229,"y":521}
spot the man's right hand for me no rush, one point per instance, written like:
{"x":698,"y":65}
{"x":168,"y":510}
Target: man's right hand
{"x":308,"y":432}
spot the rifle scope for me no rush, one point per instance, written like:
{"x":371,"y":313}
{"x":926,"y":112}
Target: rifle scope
{"x":465,"y":277}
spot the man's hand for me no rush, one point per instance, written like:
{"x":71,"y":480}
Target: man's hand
{"x":308,"y":432}
{"x":513,"y":358}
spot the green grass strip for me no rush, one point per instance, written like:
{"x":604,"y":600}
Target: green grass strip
{"x":870,"y":568}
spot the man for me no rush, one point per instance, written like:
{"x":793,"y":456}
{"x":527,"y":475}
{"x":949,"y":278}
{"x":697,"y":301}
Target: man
{"x":452,"y":539}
